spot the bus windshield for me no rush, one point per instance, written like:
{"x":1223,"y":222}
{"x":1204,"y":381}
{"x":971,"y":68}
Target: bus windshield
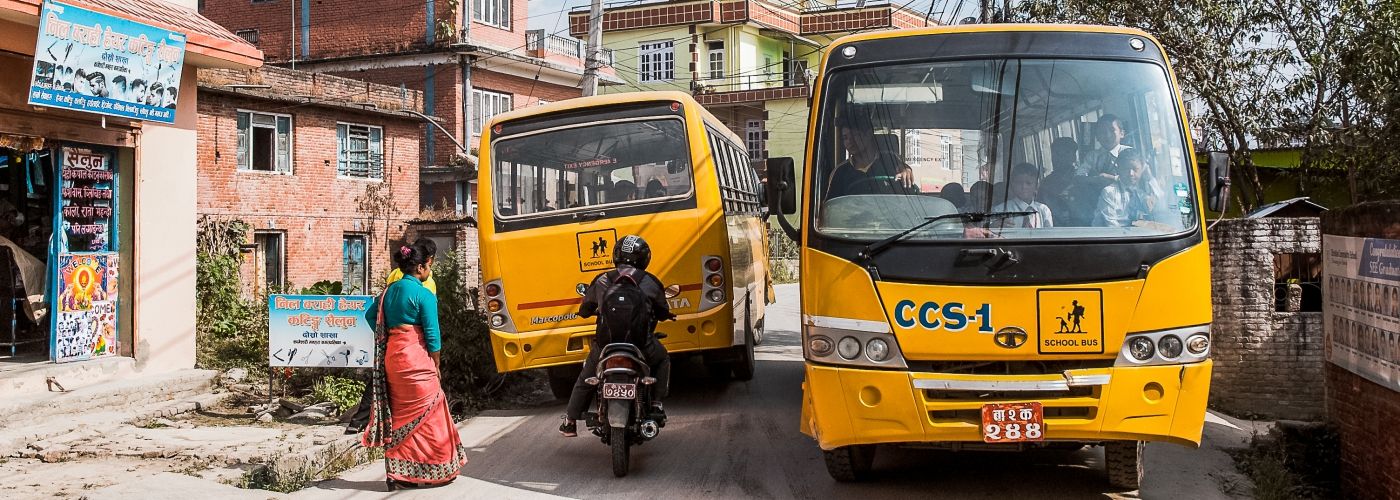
{"x":576,"y":168}
{"x":1076,"y":148}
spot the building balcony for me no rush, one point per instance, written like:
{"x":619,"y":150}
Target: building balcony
{"x":560,"y":48}
{"x":740,"y":89}
{"x":815,"y":19}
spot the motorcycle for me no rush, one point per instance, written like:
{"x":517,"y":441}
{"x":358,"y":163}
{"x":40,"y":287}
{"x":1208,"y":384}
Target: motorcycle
{"x":624,"y":416}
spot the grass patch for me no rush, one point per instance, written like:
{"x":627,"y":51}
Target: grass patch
{"x":1293,"y":461}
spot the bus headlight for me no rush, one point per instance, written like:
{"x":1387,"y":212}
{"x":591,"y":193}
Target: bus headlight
{"x":1170,"y":346}
{"x":848,"y":347}
{"x":877,"y":350}
{"x":1165,"y":347}
{"x":1198,"y":344}
{"x":854,"y":343}
{"x":1141,"y":348}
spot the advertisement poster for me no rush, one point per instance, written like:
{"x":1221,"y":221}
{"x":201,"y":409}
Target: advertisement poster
{"x":93,"y":62}
{"x":1361,"y":314}
{"x":88,"y":199}
{"x":86,"y":310}
{"x":319,"y":330}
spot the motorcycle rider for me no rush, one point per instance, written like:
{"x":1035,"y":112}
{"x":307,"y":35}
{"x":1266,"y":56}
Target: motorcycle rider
{"x":631,"y":254}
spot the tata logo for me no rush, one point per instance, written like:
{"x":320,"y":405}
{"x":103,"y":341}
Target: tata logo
{"x":1011,"y":337}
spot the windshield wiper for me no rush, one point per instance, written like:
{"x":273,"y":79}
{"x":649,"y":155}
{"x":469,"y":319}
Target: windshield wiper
{"x":872,"y":249}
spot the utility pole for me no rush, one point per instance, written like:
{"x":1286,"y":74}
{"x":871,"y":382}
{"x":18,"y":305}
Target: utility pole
{"x":595,"y":49}
{"x":986,"y":16}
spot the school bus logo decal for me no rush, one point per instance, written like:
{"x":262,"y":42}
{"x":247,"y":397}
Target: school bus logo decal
{"x":595,"y":250}
{"x":1070,"y":321}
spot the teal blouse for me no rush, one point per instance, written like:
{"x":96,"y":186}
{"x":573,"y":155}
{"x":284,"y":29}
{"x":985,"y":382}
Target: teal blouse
{"x":408,"y":302}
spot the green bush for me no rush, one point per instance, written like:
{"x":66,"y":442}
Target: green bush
{"x":467,"y":363}
{"x":324,"y":288}
{"x":344,"y":392}
{"x":230,"y":331}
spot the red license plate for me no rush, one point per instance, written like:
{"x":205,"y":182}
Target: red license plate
{"x":1013,"y":422}
{"x":619,"y":391}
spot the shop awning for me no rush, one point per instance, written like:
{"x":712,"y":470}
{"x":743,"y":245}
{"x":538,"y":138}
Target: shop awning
{"x":209,"y":44}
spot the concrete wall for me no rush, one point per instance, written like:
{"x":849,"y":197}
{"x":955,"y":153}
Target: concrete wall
{"x":1267,"y":363}
{"x":1365,"y":412}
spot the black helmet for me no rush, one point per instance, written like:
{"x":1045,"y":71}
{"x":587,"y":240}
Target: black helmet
{"x":632,"y":250}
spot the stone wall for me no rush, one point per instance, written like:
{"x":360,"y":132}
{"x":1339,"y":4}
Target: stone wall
{"x":1267,"y":363}
{"x":462,"y":233}
{"x":1365,"y":412}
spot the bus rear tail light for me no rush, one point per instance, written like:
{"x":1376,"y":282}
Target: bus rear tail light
{"x":714,"y":280}
{"x":499,"y":317}
{"x":1165,"y":347}
{"x":713,"y":264}
{"x":716,"y":296}
{"x":712,"y":293}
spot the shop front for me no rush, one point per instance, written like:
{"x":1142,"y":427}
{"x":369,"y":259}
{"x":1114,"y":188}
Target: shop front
{"x":98,"y":177}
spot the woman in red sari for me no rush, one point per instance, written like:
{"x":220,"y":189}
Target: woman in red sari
{"x":409,"y":415}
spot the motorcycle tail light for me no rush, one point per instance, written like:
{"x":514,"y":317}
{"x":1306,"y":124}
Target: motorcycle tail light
{"x":617,"y":362}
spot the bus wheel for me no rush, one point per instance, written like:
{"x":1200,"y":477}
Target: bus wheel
{"x":850,"y":463}
{"x":562,"y":379}
{"x":1123,"y":459}
{"x":743,"y":367}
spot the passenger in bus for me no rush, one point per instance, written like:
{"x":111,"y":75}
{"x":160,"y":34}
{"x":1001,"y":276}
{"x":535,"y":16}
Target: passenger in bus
{"x":1056,"y":190}
{"x":1025,"y":180}
{"x":953,"y":192}
{"x":978,"y":196}
{"x":1108,"y":131}
{"x":869,"y":168}
{"x":1128,"y":200}
{"x":622,"y":191}
{"x":655,"y":189}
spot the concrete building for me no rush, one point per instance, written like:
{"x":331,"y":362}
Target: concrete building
{"x":746,"y":61}
{"x":472,"y":60}
{"x":324,"y":169}
{"x":116,"y":288}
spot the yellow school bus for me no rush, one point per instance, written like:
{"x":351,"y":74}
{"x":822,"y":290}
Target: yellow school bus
{"x":1002,"y":246}
{"x":559,"y":184}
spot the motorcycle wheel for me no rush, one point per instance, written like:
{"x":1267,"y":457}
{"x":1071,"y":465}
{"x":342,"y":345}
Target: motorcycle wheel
{"x":621,"y":451}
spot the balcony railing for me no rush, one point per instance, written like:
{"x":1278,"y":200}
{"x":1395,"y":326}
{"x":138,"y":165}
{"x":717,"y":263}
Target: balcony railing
{"x":540,"y":44}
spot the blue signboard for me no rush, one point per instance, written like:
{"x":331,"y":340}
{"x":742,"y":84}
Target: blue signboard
{"x":1380,"y":259}
{"x":89,"y":61}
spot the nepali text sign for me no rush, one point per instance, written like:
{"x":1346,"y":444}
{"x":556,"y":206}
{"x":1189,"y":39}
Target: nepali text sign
{"x":89,"y":61}
{"x":1362,"y":309}
{"x":319,"y":330}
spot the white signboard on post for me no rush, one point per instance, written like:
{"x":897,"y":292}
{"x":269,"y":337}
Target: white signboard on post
{"x":1361,"y":314}
{"x":320,"y":331}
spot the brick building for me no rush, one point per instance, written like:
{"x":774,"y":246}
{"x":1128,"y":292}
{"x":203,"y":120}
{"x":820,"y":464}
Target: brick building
{"x":324,"y":168}
{"x":471,"y":60}
{"x":1363,"y":344}
{"x":1267,"y":345}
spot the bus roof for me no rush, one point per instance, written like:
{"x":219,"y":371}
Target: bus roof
{"x":994,"y":28}
{"x":611,"y":100}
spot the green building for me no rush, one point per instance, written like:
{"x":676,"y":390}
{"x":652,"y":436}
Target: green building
{"x":746,"y":61}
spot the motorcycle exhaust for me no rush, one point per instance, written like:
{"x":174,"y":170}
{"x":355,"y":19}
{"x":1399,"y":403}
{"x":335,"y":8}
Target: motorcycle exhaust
{"x":649,"y":429}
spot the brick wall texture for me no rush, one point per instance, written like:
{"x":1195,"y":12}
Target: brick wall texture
{"x":1365,"y":412}
{"x":338,"y":28}
{"x":313,"y":207}
{"x":1267,"y":363}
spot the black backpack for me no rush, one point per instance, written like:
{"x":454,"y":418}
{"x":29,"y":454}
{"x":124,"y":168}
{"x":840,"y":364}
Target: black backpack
{"x":626,"y":315}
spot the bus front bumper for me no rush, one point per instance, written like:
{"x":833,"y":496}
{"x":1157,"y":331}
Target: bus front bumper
{"x":850,"y":406}
{"x":569,"y":345}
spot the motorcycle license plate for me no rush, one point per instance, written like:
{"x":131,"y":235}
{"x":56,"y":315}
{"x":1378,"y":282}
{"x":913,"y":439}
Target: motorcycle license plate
{"x":619,"y":391}
{"x":1013,"y":422}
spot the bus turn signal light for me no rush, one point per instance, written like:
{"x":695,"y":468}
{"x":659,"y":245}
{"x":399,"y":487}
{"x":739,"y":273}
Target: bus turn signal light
{"x":715,"y":280}
{"x":494,"y":305}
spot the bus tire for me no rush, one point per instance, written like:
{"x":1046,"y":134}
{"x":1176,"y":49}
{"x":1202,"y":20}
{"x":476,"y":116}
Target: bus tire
{"x":562,"y":379}
{"x":1123,"y":461}
{"x":743,"y":368}
{"x":849,"y":464}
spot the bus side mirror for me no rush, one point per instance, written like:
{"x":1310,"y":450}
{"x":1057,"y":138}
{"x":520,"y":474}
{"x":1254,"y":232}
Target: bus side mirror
{"x":782,"y":195}
{"x":1218,"y":184}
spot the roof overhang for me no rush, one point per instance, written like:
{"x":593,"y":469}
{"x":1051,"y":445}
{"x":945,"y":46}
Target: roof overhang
{"x":503,"y":61}
{"x":208,"y":45}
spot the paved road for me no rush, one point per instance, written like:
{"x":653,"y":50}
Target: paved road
{"x":740,"y":440}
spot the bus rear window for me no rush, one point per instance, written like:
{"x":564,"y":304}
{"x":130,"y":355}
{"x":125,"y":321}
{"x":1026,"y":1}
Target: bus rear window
{"x":622,"y":162}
